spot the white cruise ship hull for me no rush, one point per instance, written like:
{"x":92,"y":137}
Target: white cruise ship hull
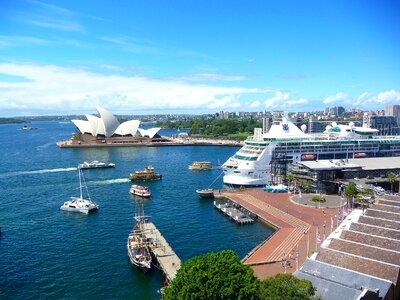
{"x":244,"y":180}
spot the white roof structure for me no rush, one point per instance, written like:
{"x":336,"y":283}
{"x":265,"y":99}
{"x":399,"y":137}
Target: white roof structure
{"x":107,"y":125}
{"x":285,"y":129}
{"x":149,"y":132}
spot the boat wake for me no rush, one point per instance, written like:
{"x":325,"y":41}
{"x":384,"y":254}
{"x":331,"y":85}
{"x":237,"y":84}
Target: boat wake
{"x":38,"y":172}
{"x":45,"y":146}
{"x":111,"y":181}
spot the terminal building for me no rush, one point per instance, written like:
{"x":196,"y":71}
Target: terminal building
{"x":327,"y":175}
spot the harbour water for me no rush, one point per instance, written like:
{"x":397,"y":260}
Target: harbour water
{"x":48,"y":253}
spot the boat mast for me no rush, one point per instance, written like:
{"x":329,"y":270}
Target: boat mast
{"x":80,"y":182}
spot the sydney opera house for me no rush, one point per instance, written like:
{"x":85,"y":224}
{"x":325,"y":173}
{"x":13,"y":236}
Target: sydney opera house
{"x":106,"y":130}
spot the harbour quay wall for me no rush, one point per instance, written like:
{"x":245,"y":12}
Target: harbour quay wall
{"x":118,"y":142}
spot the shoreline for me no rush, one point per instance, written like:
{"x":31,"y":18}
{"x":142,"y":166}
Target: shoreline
{"x":144,"y":142}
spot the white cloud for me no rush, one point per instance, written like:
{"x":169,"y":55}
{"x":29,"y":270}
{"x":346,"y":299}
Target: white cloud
{"x":132,"y":44}
{"x":283,"y":100}
{"x":61,"y":90}
{"x":46,"y":15}
{"x":363,"y":96}
{"x":255,"y":104}
{"x":365,"y":100}
{"x":388,"y":96}
{"x":336,"y":98}
{"x":11,"y":41}
{"x":212,"y":77}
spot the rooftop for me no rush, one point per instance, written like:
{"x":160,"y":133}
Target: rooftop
{"x":332,"y":281}
{"x":362,"y":254}
{"x":370,"y":163}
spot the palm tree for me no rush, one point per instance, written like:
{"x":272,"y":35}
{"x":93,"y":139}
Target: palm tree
{"x":392,"y":178}
{"x":289,"y":178}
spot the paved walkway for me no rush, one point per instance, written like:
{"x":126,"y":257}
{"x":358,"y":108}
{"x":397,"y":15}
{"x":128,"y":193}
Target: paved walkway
{"x":332,"y":201}
{"x":297,"y":226}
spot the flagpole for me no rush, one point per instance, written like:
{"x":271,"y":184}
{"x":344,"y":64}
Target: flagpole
{"x":308,"y":243}
{"x":316,"y":240}
{"x":297,"y":257}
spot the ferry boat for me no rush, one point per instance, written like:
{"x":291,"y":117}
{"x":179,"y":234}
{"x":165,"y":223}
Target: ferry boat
{"x":137,"y":245}
{"x":140,"y":190}
{"x":80,"y":204}
{"x":95,"y":164}
{"x":264,"y":157}
{"x":200,"y":165}
{"x":147,"y":174}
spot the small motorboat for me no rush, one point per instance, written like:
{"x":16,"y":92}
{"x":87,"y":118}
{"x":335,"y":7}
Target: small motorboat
{"x":206,"y":194}
{"x":200,"y":166}
{"x":139,"y":190}
{"x":25,"y":127}
{"x":94,"y":164}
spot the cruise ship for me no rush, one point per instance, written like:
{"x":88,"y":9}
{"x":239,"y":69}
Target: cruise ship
{"x":265,"y":156}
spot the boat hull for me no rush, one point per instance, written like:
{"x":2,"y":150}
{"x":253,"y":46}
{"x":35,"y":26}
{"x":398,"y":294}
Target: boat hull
{"x":95,"y":167}
{"x":136,"y":261}
{"x":143,"y":195}
{"x":79,"y":205}
{"x":242,"y":180}
{"x":78,"y":210}
{"x":205,"y":194}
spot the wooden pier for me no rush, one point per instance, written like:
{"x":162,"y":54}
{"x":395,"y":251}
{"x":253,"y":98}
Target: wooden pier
{"x":165,"y":257}
{"x":234,"y":211}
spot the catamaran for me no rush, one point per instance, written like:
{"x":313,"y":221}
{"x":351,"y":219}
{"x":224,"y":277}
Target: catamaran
{"x":80,"y":204}
{"x":265,"y":156}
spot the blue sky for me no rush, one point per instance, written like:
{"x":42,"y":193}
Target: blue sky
{"x":68,"y":56}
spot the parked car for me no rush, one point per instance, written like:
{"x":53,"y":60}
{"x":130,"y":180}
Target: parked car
{"x":370,"y":177}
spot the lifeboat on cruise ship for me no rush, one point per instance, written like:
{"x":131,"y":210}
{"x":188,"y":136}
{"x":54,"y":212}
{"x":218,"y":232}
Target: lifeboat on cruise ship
{"x":308,"y":157}
{"x":360,"y":154}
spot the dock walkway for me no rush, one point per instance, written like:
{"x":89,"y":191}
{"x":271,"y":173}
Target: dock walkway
{"x":233,"y":212}
{"x":297,"y":227}
{"x":165,"y":256}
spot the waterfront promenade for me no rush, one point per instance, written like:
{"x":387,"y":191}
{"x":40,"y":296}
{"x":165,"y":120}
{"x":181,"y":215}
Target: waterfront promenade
{"x":87,"y":141}
{"x":297,"y":228}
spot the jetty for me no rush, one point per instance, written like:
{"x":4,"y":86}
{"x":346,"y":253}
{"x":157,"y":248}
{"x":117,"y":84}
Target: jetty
{"x":165,"y":257}
{"x":234,"y":211}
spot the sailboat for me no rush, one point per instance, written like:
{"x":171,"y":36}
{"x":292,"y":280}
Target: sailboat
{"x":80,"y":204}
{"x":137,"y":244}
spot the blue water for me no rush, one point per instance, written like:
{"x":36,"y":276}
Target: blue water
{"x":48,"y":253}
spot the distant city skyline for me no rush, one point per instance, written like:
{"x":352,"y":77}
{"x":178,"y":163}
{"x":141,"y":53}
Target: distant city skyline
{"x":155,"y":57}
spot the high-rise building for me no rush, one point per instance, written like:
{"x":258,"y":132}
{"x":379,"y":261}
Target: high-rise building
{"x":387,"y":125}
{"x":393,"y":110}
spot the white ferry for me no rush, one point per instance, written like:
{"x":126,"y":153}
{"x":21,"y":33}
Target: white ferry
{"x":264,"y":157}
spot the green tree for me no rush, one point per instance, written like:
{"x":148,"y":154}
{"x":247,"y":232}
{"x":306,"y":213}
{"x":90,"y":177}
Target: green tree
{"x":392,"y":179}
{"x":350,"y":191}
{"x":286,"y":286}
{"x":289,"y":179}
{"x":214,"y":276}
